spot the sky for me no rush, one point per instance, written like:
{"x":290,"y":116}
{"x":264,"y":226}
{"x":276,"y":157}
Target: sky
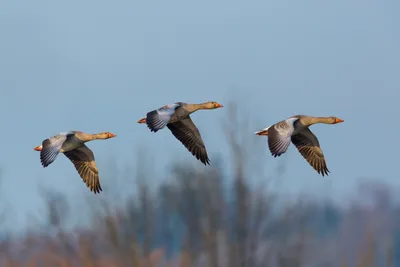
{"x":100,"y":66}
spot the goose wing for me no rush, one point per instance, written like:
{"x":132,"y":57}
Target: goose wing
{"x":279,"y":136}
{"x":308,"y":145}
{"x":159,"y":118}
{"x":51,"y":147}
{"x":84,"y":162}
{"x":187,"y":133}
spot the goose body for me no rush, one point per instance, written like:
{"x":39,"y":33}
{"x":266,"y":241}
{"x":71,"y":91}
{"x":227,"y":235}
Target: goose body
{"x":177,"y":119}
{"x":296,"y":130}
{"x":72,"y":145}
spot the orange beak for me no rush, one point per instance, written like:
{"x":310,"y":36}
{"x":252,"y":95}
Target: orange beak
{"x":265,"y":132}
{"x":111,"y":135}
{"x":218,"y":105}
{"x":38,"y":148}
{"x":337,"y":120}
{"x":142,"y":120}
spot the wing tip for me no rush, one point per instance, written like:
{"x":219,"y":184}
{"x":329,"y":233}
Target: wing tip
{"x":153,"y":130}
{"x":96,"y":189}
{"x":206,"y":162}
{"x":44,"y":162}
{"x":274,"y":154}
{"x":323,"y":171}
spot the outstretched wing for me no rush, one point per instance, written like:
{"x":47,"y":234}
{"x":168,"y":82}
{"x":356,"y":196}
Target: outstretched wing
{"x":279,"y":136}
{"x":51,"y":147}
{"x":308,"y":145}
{"x":187,"y":133}
{"x":84,"y":162}
{"x":157,"y":119}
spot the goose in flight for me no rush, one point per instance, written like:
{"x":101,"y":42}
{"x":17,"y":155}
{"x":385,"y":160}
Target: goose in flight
{"x":72,"y":145}
{"x":296,"y":130}
{"x":177,"y":119}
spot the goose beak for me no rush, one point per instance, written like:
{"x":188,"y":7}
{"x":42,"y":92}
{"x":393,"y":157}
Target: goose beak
{"x":142,"y":120}
{"x":111,"y":135}
{"x":218,"y":105}
{"x":38,"y":148}
{"x":337,"y":120}
{"x":263,"y":132}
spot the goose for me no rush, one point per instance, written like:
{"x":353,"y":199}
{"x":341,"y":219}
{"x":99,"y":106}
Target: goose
{"x":72,"y":145}
{"x":177,"y":118}
{"x":296,"y":130}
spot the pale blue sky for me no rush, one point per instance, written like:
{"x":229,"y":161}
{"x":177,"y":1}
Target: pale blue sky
{"x":101,"y":65}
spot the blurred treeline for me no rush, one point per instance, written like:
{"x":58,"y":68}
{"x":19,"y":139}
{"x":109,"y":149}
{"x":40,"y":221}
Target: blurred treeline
{"x":203,"y":217}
